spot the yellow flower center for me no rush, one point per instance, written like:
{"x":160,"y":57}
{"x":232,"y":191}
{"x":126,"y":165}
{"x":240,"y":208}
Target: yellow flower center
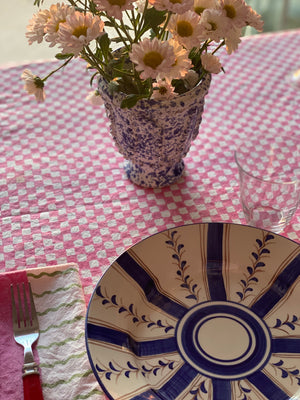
{"x":57,"y":25}
{"x":153,"y":59}
{"x":184,"y":29}
{"x":213,"y":26}
{"x":230,"y":11}
{"x":162,"y":90}
{"x":199,"y":10}
{"x":119,"y":3}
{"x":80,"y":31}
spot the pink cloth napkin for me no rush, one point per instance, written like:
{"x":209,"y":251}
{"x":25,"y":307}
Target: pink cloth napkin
{"x":59,"y":301}
{"x":11,"y":355}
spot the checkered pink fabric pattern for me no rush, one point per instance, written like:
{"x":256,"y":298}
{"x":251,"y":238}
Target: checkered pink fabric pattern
{"x":64,"y":196}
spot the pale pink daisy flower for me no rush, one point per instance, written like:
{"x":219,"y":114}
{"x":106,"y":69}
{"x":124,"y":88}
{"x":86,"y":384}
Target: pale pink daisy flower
{"x":201,"y":5}
{"x":58,"y":15}
{"x":163,"y":90}
{"x":33,"y":85}
{"x":152,"y":57}
{"x":233,"y":39}
{"x":114,"y":8}
{"x":215,"y":24}
{"x":211,"y":63}
{"x":254,"y":19}
{"x":182,"y":62}
{"x":36,"y":27}
{"x":78,"y":31}
{"x":236,"y":11}
{"x":95,"y":98}
{"x":186,"y":29}
{"x":175,"y":6}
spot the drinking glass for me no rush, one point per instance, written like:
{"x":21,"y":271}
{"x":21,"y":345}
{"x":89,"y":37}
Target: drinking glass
{"x":269,"y":174}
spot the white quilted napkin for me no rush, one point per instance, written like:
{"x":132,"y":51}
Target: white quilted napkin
{"x":61,"y":308}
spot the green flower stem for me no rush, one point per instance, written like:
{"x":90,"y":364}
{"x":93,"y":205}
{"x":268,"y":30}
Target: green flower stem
{"x":217,"y":48}
{"x":94,"y":62}
{"x":57,"y":69}
{"x":141,"y":23}
{"x":163,"y":30}
{"x":138,"y":82}
{"x":132,"y":20}
{"x":126,"y":33}
{"x":115,"y":26}
{"x":75,"y":4}
{"x":203,"y":73}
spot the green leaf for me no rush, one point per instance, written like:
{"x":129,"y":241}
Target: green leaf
{"x":118,"y":40}
{"x":154,"y":18}
{"x":61,"y":56}
{"x":130,"y":101}
{"x":110,"y":24}
{"x":104,"y":43}
{"x":113,"y":86}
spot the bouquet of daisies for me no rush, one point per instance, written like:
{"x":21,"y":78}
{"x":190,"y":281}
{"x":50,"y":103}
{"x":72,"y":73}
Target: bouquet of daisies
{"x":143,"y":48}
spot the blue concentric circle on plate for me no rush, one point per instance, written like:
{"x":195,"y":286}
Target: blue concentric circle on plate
{"x":223,"y":340}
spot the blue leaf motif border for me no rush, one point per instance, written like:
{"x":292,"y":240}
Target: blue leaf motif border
{"x":258,"y":255}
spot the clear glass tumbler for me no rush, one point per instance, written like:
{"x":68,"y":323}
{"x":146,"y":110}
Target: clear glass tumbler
{"x":269,"y":173}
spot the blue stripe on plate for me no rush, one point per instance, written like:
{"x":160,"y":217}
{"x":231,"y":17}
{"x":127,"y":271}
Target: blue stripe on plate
{"x":285,"y":345}
{"x":148,"y":394}
{"x":267,"y":387}
{"x":132,"y":268}
{"x":279,"y":288}
{"x":174,"y":387}
{"x":221,"y":389}
{"x":122,"y":339}
{"x":215,"y":261}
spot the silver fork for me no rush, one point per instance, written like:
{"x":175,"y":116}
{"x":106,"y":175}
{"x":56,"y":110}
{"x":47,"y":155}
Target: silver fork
{"x":26,"y":333}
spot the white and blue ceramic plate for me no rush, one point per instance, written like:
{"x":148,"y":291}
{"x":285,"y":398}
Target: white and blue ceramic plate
{"x":199,"y":312}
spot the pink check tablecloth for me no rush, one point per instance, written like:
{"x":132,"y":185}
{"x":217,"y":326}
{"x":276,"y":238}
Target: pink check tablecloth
{"x":64,"y":196}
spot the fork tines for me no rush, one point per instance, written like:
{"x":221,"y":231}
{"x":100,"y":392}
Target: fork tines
{"x":23,"y":309}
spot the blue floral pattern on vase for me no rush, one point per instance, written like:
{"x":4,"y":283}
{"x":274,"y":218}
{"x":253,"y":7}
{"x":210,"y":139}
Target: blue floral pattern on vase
{"x":155,"y":135}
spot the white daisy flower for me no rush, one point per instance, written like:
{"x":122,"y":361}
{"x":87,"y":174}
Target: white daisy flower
{"x":182,"y":62}
{"x":152,"y":57}
{"x":33,"y":85}
{"x":175,"y":6}
{"x":163,"y":90}
{"x":114,"y":8}
{"x":215,"y":24}
{"x":78,"y":31}
{"x":236,"y":11}
{"x":58,"y":15}
{"x":254,"y":19}
{"x":36,"y":27}
{"x":186,"y":29}
{"x":211,"y":63}
{"x":95,"y":98}
{"x":233,"y":39}
{"x":201,"y":5}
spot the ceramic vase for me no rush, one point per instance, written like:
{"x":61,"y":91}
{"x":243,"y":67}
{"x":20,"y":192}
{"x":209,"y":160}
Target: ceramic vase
{"x":155,"y":135}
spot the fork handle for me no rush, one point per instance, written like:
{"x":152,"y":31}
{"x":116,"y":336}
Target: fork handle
{"x":32,"y":387}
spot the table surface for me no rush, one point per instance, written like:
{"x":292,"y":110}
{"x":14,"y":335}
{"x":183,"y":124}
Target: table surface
{"x":64,"y":196}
